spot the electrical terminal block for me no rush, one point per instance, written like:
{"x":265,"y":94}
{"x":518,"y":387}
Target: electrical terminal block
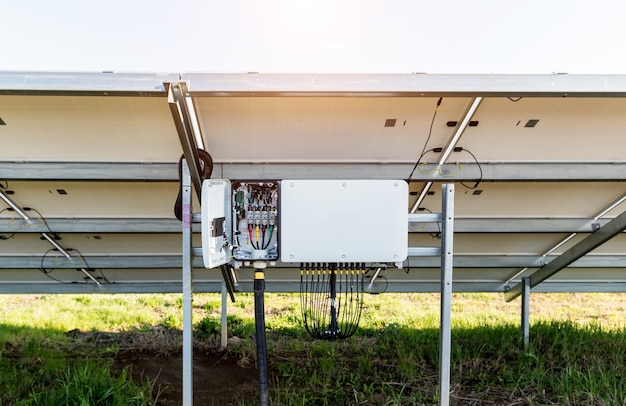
{"x":254,"y":217}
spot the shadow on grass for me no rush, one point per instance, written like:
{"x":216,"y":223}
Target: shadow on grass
{"x":565,"y":363}
{"x":44,"y":366}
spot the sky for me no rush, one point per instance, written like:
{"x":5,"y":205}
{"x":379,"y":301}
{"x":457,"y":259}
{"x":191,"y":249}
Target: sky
{"x":315,"y":36}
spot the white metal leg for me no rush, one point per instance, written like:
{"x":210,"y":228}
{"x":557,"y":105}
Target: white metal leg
{"x":525,"y":311}
{"x":187,"y":288}
{"x":447,"y":234}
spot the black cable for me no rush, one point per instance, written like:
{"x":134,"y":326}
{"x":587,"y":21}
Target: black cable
{"x":419,"y":160}
{"x":480,"y":178}
{"x":47,"y":271}
{"x":515,"y":100}
{"x":5,"y":186}
{"x":82,"y":258}
{"x":41,"y":217}
{"x":45,"y":223}
{"x":4,"y":237}
{"x":205,"y":167}
{"x":263,"y":246}
{"x":434,"y":235}
{"x":430,"y":131}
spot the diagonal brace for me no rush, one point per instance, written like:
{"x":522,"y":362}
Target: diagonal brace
{"x":177,"y":92}
{"x":591,"y":242}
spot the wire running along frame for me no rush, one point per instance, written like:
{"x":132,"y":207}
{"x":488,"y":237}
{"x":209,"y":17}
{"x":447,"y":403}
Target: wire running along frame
{"x":331,"y":298}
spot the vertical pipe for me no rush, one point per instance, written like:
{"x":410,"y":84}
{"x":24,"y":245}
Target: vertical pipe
{"x":261,"y":346}
{"x":525,"y":311}
{"x":445,"y":335}
{"x":224,"y":315}
{"x":187,"y":288}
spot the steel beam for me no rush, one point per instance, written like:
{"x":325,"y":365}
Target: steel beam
{"x":85,"y":83}
{"x":172,"y":225}
{"x":91,"y":225}
{"x":591,"y":242}
{"x":409,"y":85}
{"x":515,"y":225}
{"x":424,"y":259}
{"x":113,"y":261}
{"x":155,"y":286}
{"x":405,"y":85}
{"x":107,"y":171}
{"x":177,"y":99}
{"x":492,"y":171}
{"x":167,"y":171}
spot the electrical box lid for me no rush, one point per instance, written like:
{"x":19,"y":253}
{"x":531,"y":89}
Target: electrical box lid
{"x":216,"y":222}
{"x":344,"y":220}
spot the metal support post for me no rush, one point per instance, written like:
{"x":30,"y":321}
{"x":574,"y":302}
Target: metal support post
{"x":447,"y":233}
{"x":224,"y":314}
{"x":187,"y":288}
{"x":525,"y":311}
{"x":261,"y":345}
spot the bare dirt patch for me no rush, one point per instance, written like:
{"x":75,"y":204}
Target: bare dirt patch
{"x":220,"y":377}
{"x":217,"y":378}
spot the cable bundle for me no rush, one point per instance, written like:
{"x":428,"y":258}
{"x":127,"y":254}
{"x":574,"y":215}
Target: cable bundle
{"x":331,"y":298}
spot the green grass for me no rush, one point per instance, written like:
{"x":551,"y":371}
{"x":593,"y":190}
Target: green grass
{"x":45,"y":374}
{"x":576,"y":355}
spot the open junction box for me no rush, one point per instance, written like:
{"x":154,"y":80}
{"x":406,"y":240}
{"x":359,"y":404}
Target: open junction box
{"x":328,"y":221}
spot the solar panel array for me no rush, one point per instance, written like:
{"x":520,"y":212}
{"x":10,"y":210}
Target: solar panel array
{"x":92,"y":160}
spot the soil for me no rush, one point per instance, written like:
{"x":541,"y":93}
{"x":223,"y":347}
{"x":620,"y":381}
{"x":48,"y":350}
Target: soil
{"x":220,"y":376}
{"x":217,"y":379}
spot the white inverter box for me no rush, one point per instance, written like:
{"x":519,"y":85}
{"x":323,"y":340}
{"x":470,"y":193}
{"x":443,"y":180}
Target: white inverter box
{"x":343,"y":220}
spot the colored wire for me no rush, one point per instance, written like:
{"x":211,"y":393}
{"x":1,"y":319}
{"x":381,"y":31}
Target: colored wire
{"x":250,"y":234}
{"x":438,"y":169}
{"x":269,"y":240}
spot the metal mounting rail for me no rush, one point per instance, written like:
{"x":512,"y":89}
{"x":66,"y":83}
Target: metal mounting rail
{"x":424,"y":251}
{"x":48,"y":236}
{"x":582,"y":248}
{"x":176,"y":97}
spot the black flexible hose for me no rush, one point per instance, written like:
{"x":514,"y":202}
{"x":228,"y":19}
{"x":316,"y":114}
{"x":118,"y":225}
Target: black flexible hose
{"x":261,"y":345}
